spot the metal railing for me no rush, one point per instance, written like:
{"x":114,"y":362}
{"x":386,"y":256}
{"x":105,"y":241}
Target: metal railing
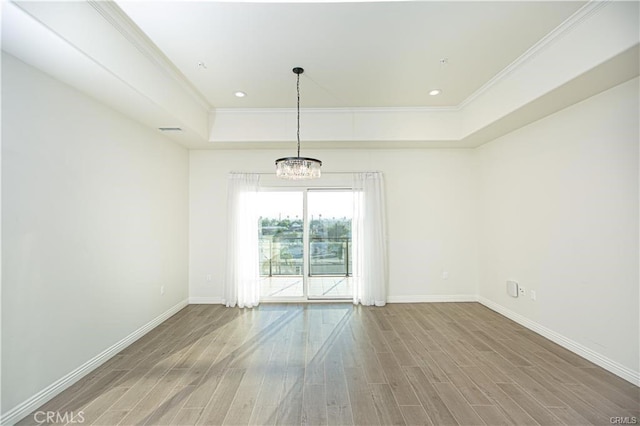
{"x":327,"y":256}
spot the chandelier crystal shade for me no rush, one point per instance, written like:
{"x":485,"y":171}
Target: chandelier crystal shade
{"x":296,"y":168}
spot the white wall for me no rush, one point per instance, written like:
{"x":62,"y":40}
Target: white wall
{"x":559,"y":214}
{"x":95,"y":220}
{"x":430,"y":209}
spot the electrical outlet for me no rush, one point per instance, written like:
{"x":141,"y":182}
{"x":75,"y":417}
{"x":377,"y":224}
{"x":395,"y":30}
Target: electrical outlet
{"x":532,"y":293}
{"x":445,"y":275}
{"x":522,"y":290}
{"x":209,"y":277}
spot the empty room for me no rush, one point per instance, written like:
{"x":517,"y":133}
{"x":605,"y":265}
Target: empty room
{"x":320,"y":213}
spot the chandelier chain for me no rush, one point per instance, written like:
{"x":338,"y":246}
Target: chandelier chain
{"x":298,"y":91}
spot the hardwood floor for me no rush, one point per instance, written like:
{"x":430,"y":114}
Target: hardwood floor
{"x":414,"y":364}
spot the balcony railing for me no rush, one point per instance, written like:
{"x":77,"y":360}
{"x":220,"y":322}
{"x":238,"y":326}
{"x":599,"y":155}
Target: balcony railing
{"x":327,"y":256}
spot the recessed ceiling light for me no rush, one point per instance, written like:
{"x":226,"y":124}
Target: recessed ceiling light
{"x":435,"y":92}
{"x":240,"y":94}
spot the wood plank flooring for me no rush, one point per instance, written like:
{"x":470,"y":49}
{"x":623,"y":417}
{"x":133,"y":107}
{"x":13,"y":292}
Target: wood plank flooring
{"x":336,"y":364}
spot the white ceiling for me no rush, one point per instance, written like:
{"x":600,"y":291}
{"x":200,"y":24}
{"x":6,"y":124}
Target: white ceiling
{"x":368,"y":65}
{"x":355,"y":54}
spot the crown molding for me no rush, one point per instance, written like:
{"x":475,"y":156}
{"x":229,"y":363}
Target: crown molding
{"x":119,"y":20}
{"x":496,"y":108}
{"x":585,"y":12}
{"x":36,"y":40}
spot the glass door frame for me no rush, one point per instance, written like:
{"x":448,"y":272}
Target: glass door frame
{"x":306,"y":248}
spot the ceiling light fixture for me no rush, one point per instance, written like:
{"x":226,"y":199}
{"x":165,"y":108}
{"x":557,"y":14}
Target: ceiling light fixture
{"x":296,"y":168}
{"x":443,"y":63}
{"x":240,"y":94}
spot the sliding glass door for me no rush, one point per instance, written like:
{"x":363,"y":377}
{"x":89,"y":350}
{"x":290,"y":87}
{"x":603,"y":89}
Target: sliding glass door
{"x":329,"y":215}
{"x":305,"y":244}
{"x":280,"y":239}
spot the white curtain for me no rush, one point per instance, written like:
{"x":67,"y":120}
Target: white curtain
{"x":242,"y":278}
{"x":368,"y":232}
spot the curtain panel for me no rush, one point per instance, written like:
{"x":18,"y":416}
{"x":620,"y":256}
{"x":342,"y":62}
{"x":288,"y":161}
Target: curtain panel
{"x":369,"y":241}
{"x":242,"y":277}
{"x":370,"y":266}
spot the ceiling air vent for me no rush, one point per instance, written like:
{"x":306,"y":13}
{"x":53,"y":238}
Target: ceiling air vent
{"x":170,"y":129}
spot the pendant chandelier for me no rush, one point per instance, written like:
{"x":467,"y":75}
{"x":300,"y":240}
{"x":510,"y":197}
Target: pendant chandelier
{"x":295,"y":168}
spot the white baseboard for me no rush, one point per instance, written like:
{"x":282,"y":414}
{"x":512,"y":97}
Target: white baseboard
{"x":575,"y":347}
{"x":22,"y":410}
{"x":433,"y":298}
{"x":196,"y":300}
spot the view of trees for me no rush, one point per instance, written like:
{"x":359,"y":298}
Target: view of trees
{"x":282,"y":239}
{"x":292,"y":228}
